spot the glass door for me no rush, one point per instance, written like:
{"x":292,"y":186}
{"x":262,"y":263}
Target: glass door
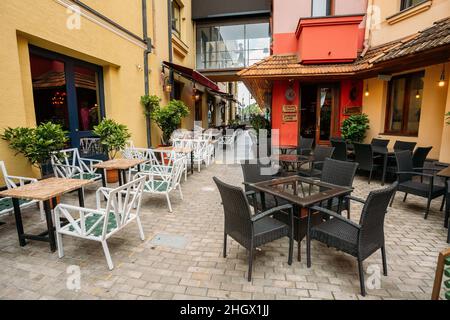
{"x":325,"y":112}
{"x":69,"y":92}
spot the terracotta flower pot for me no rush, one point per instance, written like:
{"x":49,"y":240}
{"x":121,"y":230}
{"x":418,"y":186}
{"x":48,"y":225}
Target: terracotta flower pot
{"x":58,"y":200}
{"x":112,"y":176}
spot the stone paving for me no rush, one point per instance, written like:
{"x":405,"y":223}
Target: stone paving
{"x":149,"y":270}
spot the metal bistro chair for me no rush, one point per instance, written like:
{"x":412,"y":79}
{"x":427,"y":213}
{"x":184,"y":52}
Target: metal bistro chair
{"x":406,"y":183}
{"x":123,"y":207}
{"x":68,"y":164}
{"x":252,"y":231}
{"x":359,"y":240}
{"x":341,"y":173}
{"x":340,"y":149}
{"x":320,"y":154}
{"x":365,"y":158}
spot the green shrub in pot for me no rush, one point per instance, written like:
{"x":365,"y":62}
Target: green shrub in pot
{"x":168,"y":118}
{"x":113,"y":136}
{"x":354,"y":128}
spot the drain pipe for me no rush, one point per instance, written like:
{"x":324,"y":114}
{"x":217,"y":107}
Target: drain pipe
{"x":147,"y":51}
{"x":169,"y":36}
{"x":368,"y":31}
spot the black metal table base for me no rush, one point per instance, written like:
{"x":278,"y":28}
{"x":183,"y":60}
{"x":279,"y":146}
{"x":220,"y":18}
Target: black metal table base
{"x":49,"y":234}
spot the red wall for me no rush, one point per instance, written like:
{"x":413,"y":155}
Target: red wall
{"x":288,"y":130}
{"x":345,"y":99}
{"x":284,"y":43}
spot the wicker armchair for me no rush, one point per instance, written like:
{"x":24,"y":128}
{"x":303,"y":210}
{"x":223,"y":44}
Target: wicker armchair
{"x":320,"y":154}
{"x":447,"y":211}
{"x":404,"y":145}
{"x":379,"y":142}
{"x":252,"y":231}
{"x":366,"y":159}
{"x":407,"y":184}
{"x":340,"y":173}
{"x":359,"y":240}
{"x":340,"y":149}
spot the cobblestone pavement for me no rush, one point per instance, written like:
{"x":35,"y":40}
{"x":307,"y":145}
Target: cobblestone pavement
{"x":145,"y":270}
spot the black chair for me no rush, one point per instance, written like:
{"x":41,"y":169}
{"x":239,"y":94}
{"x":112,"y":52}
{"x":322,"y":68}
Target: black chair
{"x":359,"y":240}
{"x":365,"y":157}
{"x":407,"y":184}
{"x":340,"y":149}
{"x":259,"y":172}
{"x":320,"y":154}
{"x":379,"y":142}
{"x":252,"y":231}
{"x":305,"y":146}
{"x":404,"y":145}
{"x":340,"y":173}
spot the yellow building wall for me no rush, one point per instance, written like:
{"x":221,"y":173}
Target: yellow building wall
{"x":445,"y":147}
{"x":382,"y":31}
{"x":431,"y":125}
{"x":43,"y":24}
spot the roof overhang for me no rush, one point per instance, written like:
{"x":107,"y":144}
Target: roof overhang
{"x":193,"y":75}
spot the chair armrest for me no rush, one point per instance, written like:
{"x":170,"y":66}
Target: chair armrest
{"x":22,"y":180}
{"x":102,"y":192}
{"x":336,"y":216}
{"x":428,"y":169}
{"x":91,"y":160}
{"x":356,"y":199}
{"x":250,"y":193}
{"x":415,"y":173}
{"x":271,"y":211}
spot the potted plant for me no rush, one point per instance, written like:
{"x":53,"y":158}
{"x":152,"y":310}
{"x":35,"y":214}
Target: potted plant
{"x":354,"y":128}
{"x":149,"y":103}
{"x":113,"y":137}
{"x":168,"y":118}
{"x":259,"y":122}
{"x":37,"y":144}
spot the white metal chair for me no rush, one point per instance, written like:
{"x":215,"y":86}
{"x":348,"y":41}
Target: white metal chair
{"x":11,"y":182}
{"x":90,"y":146}
{"x":68,"y":164}
{"x":163,"y":180}
{"x":229,"y":139}
{"x":122,"y":207}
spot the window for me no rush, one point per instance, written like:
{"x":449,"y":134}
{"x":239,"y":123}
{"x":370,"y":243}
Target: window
{"x":176,"y":18}
{"x":404,"y":104}
{"x":409,"y":3}
{"x":321,"y":8}
{"x":232,"y":45}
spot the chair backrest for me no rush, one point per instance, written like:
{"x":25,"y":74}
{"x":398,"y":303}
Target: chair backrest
{"x":255,"y":172}
{"x":404,"y":145}
{"x":371,"y":236}
{"x":322,"y":152}
{"x":5,"y":175}
{"x":236,"y":210}
{"x":90,"y":146}
{"x":420,"y":155}
{"x":340,"y":149}
{"x":305,"y":143}
{"x":363,"y":155}
{"x":66,"y":163}
{"x":405,"y":164}
{"x":341,"y":173}
{"x":379,"y":142}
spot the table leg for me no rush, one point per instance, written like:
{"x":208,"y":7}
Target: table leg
{"x":124,"y":174}
{"x":263,"y":201}
{"x":385,"y":160}
{"x":81,"y":197}
{"x":192,"y":162}
{"x":308,"y":244}
{"x":50,"y":227}
{"x":103,"y":173}
{"x":120,"y":178}
{"x":19,"y":224}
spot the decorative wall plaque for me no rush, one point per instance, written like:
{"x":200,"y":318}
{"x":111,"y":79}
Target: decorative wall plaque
{"x":352,"y":110}
{"x":290,"y":108}
{"x":289,"y":117}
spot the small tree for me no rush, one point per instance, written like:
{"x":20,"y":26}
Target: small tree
{"x":168,"y":118}
{"x":354,"y":127}
{"x":113,"y":136}
{"x":150,"y":103}
{"x":36,"y":144}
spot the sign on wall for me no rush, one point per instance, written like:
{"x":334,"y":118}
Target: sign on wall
{"x":289,"y":117}
{"x":289,"y":113}
{"x":290,"y":108}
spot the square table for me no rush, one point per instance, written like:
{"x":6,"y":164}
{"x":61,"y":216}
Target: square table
{"x":122,"y":165}
{"x":285,"y":148}
{"x":182,"y":150}
{"x":46,"y":190}
{"x":292,"y":190}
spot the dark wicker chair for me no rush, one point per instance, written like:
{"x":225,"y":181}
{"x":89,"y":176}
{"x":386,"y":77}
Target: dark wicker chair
{"x":365,"y":157}
{"x":407,"y":184}
{"x":359,"y":240}
{"x":340,"y":149}
{"x":258,"y":172}
{"x":305,"y":146}
{"x":379,"y":142}
{"x":447,"y":211}
{"x":252,"y":231}
{"x":340,"y":173}
{"x":320,"y":154}
{"x":404,"y":145}
{"x":419,"y":157}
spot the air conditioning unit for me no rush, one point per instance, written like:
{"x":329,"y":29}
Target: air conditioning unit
{"x":385,"y":77}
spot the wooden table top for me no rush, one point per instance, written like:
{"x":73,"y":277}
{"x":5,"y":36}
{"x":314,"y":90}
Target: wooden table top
{"x":176,"y":149}
{"x":444,"y":173}
{"x":276,"y":187}
{"x":45,"y":189}
{"x":119,"y":164}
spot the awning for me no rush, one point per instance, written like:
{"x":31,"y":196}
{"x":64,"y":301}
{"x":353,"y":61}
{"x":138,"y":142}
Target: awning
{"x":193,"y":75}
